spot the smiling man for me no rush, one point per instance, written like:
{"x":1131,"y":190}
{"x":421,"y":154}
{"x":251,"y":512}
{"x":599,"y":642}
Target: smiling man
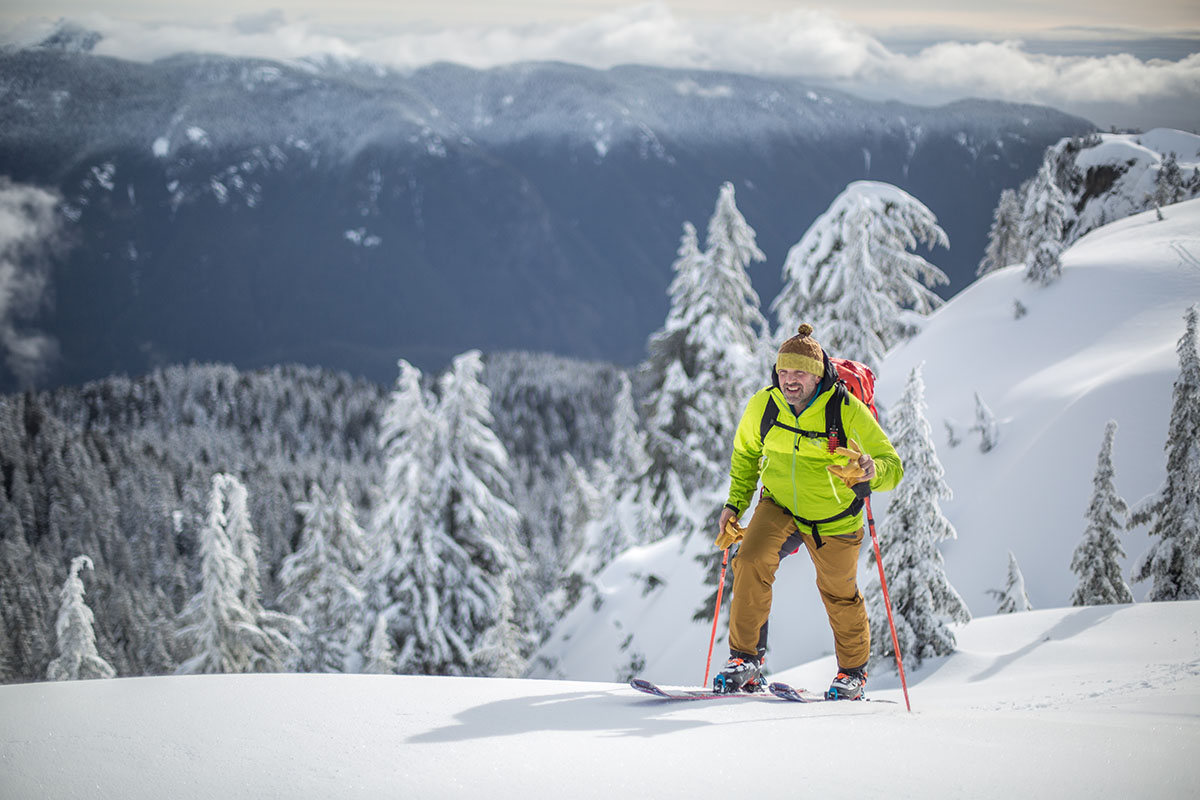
{"x":791,"y":447}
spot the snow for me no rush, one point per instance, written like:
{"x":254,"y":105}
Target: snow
{"x":1067,"y":703}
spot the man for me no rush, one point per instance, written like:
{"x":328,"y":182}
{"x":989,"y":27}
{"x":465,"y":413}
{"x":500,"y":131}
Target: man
{"x":803,"y":502}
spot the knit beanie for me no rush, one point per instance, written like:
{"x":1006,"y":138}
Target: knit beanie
{"x":802,"y":352}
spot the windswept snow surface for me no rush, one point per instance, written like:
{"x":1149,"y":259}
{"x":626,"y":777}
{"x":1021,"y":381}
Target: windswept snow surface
{"x":1068,"y":703}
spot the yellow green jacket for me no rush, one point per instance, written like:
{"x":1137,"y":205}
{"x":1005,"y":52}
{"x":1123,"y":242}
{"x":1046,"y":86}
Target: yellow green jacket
{"x":792,"y":467}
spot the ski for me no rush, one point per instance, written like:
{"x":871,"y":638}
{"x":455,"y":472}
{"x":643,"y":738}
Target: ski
{"x":785,"y":692}
{"x":691,"y":694}
{"x":775,"y":690}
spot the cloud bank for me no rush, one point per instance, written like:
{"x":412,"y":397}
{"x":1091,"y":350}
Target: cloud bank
{"x":1111,"y":90}
{"x":28,"y":230}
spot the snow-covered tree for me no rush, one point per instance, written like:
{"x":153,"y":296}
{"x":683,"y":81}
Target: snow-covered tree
{"x":1012,"y":598}
{"x":225,"y":629}
{"x":1005,"y":245}
{"x":1097,"y":559}
{"x":1168,"y":184}
{"x":923,"y":600}
{"x":449,"y":529}
{"x":1043,"y":221}
{"x":623,"y":516}
{"x":703,"y":365}
{"x":381,"y":656}
{"x":499,"y":653}
{"x":853,"y":277}
{"x":321,"y":582}
{"x":985,"y":425}
{"x":78,"y":657}
{"x":1173,"y":511}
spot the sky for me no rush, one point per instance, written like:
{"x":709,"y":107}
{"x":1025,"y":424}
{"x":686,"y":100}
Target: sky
{"x":1119,"y":64}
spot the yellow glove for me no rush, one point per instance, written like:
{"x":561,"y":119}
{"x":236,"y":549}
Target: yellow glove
{"x":732,"y":534}
{"x":850,"y":472}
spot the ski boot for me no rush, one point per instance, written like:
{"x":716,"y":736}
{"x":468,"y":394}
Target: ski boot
{"x":742,"y":673}
{"x":848,"y":685}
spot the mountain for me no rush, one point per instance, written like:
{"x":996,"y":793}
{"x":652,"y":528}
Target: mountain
{"x":1099,"y":702}
{"x":1097,"y":344}
{"x":341,"y":215}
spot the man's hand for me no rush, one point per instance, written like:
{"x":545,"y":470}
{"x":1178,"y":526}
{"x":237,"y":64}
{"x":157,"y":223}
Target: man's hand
{"x":729,"y":532}
{"x":859,"y":466}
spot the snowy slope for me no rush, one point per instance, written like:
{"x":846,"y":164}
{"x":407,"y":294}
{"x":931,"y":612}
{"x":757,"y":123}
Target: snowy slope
{"x":1075,"y":703}
{"x":1098,"y":344}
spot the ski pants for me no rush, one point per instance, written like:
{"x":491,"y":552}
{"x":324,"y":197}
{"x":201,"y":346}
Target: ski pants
{"x":770,"y":536}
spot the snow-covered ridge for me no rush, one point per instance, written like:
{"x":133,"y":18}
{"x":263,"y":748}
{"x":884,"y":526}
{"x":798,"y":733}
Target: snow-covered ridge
{"x":1109,"y":176}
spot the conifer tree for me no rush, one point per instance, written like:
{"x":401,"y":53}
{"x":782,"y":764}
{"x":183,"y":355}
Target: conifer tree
{"x":381,"y":656}
{"x":1168,"y":184}
{"x":78,"y":657}
{"x":625,"y":515}
{"x":400,"y":519}
{"x":923,"y":600}
{"x":1012,"y":598}
{"x":321,"y":582}
{"x":500,"y":648}
{"x":1173,"y":511}
{"x":985,"y":425}
{"x":448,"y":531}
{"x":1097,"y":559}
{"x":1005,"y":245}
{"x":702,"y":366}
{"x":1043,"y":221}
{"x":853,"y":277}
{"x":226,"y":629}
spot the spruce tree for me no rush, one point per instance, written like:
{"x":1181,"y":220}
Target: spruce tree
{"x":1005,"y":245}
{"x":923,"y":600}
{"x":625,"y":517}
{"x":985,"y":425}
{"x":853,"y":277}
{"x":1173,"y":511}
{"x":448,"y":533}
{"x":78,"y":657}
{"x":225,"y":628}
{"x":1097,"y":559}
{"x":1043,"y":222}
{"x":1168,"y":184}
{"x":1012,"y":598}
{"x":408,"y":430}
{"x":321,"y":582}
{"x":702,"y":367}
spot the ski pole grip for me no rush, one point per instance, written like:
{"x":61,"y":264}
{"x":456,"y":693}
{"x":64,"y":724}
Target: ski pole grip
{"x":862,"y":490}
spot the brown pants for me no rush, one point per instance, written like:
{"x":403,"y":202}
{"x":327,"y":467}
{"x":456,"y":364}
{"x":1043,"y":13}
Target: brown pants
{"x":771,"y":535}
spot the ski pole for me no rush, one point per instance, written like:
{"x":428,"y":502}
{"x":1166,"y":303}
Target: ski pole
{"x":865,"y":494}
{"x":716,"y":612}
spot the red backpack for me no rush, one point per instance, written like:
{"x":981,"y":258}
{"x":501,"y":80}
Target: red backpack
{"x":859,"y":379}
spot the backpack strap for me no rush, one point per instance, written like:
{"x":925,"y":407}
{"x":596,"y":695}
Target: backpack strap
{"x":833,"y":416}
{"x":770,"y":419}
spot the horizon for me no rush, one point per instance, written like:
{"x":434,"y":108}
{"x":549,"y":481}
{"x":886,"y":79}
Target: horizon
{"x":1100,"y":64}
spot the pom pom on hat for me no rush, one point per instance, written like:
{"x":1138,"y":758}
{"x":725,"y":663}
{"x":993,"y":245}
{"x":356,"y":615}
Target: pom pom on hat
{"x":802,"y":352}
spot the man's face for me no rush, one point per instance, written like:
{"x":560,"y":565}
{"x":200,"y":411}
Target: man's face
{"x":797,"y":385}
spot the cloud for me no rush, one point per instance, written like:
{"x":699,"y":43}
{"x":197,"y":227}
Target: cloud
{"x":1116,"y":89}
{"x":28,"y":232}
